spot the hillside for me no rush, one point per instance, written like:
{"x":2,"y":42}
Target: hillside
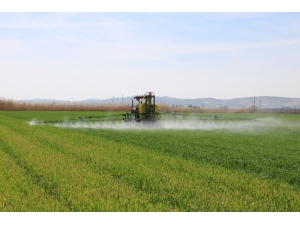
{"x":260,"y":101}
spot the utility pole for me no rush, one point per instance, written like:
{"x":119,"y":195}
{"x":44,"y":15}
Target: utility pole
{"x":254,"y":104}
{"x":122,"y":98}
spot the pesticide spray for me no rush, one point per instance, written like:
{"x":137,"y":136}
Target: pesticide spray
{"x":247,"y":125}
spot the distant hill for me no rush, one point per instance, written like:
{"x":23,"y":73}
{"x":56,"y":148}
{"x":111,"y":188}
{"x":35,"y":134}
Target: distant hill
{"x":260,"y":101}
{"x":109,"y":100}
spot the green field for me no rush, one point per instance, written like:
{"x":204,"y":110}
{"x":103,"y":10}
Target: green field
{"x":195,"y":166}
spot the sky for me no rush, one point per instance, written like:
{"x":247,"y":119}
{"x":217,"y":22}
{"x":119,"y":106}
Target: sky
{"x":98,"y":55}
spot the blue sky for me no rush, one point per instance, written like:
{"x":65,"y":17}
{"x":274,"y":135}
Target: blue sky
{"x":76,"y":56}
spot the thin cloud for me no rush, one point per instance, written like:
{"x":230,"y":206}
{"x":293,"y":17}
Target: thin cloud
{"x":9,"y":43}
{"x":44,"y":25}
{"x":222,"y":47}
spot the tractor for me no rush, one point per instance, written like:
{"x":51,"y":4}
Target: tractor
{"x":144,"y":108}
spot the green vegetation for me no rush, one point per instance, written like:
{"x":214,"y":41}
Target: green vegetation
{"x":46,"y":168}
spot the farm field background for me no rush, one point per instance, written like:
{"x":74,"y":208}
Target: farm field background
{"x":214,"y":166}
